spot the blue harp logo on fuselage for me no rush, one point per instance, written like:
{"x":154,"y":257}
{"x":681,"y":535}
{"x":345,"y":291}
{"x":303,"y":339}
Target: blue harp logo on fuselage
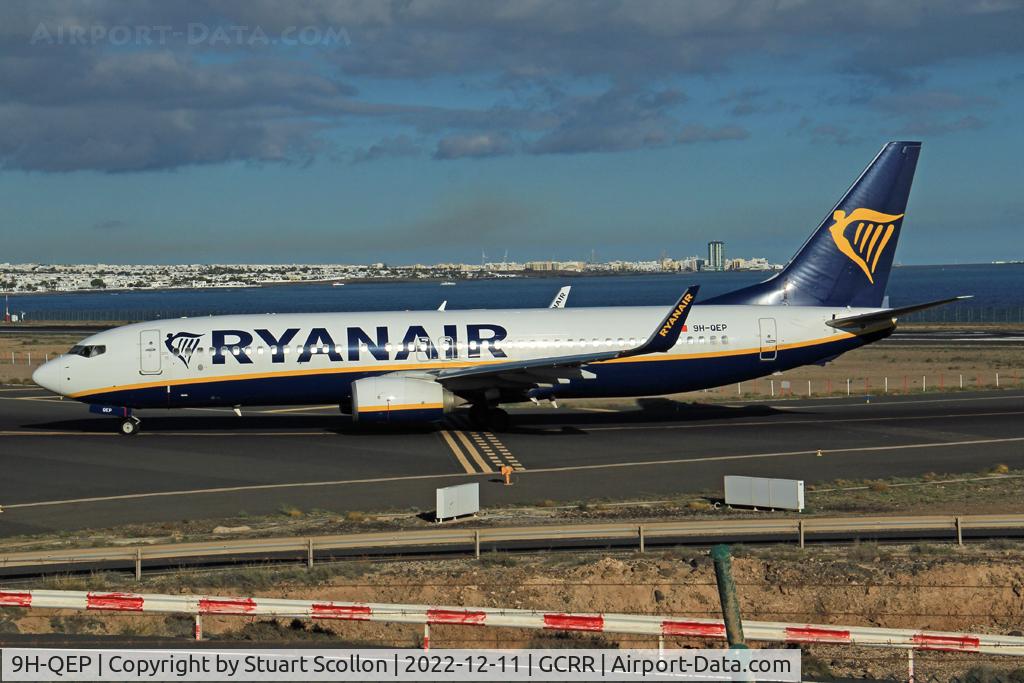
{"x":183,"y":345}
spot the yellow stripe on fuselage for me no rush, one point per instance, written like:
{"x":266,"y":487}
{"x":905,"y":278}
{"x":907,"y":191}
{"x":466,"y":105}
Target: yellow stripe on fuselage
{"x":838,"y":336}
{"x":401,"y":406}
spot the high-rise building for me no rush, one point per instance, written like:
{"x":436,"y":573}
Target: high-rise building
{"x":716,"y":255}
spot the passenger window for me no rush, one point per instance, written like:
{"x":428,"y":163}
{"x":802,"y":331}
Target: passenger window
{"x":725,"y":339}
{"x":689,"y":340}
{"x":714,"y":339}
{"x":700,"y":340}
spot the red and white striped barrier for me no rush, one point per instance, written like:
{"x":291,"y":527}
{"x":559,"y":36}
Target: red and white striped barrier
{"x":428,"y":615}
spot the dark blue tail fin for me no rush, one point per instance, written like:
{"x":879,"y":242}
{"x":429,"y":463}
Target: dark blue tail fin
{"x":846,"y":262}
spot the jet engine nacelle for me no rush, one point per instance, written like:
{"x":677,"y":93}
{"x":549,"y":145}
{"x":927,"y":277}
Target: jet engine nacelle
{"x":399,"y":399}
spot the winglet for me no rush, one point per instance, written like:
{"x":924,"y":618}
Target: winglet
{"x":561,"y":297}
{"x":667,"y":333}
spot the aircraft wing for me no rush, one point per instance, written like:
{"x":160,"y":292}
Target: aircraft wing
{"x":662,"y":339}
{"x":561,"y":297}
{"x":865,"y":319}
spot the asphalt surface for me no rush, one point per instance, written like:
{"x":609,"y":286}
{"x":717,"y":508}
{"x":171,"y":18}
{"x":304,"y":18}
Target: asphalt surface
{"x":64,"y":469}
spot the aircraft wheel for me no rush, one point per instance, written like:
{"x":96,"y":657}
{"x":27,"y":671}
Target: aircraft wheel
{"x":497,"y":419}
{"x":129,"y":427}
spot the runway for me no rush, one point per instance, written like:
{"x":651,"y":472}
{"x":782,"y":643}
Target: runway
{"x":64,"y":469}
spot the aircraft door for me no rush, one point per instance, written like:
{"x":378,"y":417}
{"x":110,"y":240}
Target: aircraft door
{"x":769,"y":339}
{"x":425,"y":349}
{"x":149,"y":352}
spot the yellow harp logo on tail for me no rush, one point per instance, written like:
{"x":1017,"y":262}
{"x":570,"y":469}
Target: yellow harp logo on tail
{"x":871,"y":230}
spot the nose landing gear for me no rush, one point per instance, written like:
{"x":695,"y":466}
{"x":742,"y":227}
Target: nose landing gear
{"x":129,"y":426}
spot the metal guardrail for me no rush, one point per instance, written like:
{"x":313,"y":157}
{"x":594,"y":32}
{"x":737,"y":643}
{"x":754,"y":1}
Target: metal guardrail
{"x":427,"y":615}
{"x":835,"y":528}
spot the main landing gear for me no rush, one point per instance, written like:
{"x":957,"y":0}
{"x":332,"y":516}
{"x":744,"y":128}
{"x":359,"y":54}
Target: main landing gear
{"x":129,"y":426}
{"x":491,"y":418}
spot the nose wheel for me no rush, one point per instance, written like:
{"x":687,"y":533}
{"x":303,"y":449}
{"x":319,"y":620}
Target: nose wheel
{"x":129,"y":426}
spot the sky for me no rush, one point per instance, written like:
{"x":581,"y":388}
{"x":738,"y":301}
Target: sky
{"x":254,"y":131}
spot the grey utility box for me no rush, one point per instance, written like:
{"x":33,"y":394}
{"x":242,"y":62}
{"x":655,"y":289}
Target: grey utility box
{"x":759,"y":492}
{"x":456,"y":501}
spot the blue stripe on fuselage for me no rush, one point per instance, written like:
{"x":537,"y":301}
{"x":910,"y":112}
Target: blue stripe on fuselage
{"x":636,"y":378}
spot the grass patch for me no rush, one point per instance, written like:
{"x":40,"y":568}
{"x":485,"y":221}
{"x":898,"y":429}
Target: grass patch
{"x":290,"y":511}
{"x":864,"y":551}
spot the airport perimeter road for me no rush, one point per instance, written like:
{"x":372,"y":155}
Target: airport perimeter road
{"x":61,"y":468}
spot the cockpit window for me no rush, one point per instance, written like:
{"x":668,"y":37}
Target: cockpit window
{"x":89,"y":351}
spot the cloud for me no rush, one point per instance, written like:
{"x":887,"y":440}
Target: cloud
{"x":618,"y":119}
{"x":827,"y":132}
{"x":472,"y":145}
{"x":699,"y":133}
{"x":931,"y":127}
{"x":97,"y":105}
{"x":395,"y":146}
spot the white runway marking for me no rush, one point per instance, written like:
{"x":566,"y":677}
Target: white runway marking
{"x":572,"y":468}
{"x":808,"y":422}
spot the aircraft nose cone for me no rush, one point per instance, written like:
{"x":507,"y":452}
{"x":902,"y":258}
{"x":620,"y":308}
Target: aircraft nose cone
{"x":47,"y":376}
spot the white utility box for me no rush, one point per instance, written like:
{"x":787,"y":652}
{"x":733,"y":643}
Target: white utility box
{"x":456,"y":501}
{"x":759,"y":492}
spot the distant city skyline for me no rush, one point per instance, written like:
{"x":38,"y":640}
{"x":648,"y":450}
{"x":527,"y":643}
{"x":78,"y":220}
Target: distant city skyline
{"x":351,"y":132}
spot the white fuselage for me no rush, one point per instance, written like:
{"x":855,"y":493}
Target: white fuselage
{"x":306,"y":358}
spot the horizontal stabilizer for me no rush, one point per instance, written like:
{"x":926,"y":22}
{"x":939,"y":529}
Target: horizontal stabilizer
{"x":865,"y":319}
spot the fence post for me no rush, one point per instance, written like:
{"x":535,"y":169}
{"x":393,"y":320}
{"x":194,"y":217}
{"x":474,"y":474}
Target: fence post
{"x":426,"y":637}
{"x":924,"y":382}
{"x":959,"y":531}
{"x":961,"y":381}
{"x":997,"y":380}
{"x":887,"y":385}
{"x":309,"y":554}
{"x":773,"y":388}
{"x":199,"y":626}
{"x":910,"y":665}
{"x":138,"y":564}
{"x":847,"y":386}
{"x":476,"y":542}
{"x":800,"y":531}
{"x":640,"y":532}
{"x":739,"y":388}
{"x":727,"y":596}
{"x":808,"y":388}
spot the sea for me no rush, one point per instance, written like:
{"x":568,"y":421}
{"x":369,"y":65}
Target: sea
{"x":998,"y":291}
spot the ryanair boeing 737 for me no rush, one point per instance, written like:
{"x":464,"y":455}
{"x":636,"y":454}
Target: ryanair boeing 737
{"x":418,"y":365}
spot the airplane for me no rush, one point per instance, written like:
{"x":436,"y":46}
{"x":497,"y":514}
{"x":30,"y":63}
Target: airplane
{"x":558,"y":302}
{"x":417,"y":366}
